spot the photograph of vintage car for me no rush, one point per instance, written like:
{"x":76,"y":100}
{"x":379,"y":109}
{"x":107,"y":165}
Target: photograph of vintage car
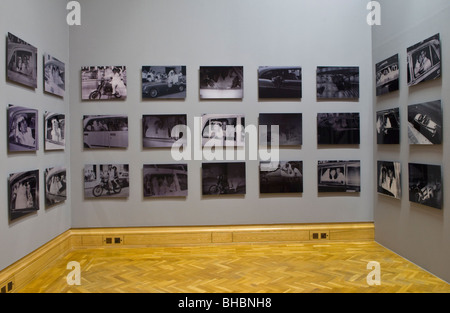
{"x":55,"y":126}
{"x":23,"y":194}
{"x":286,"y":127}
{"x":425,"y":123}
{"x":160,"y":130}
{"x":387,"y":75}
{"x":105,"y":131}
{"x":55,"y":185}
{"x":223,"y":178}
{"x":281,"y":177}
{"x":106,"y":181}
{"x":280,"y":82}
{"x":54,"y":76}
{"x":335,"y":82}
{"x":223,"y":130}
{"x":165,"y":180}
{"x":103,"y":83}
{"x":339,"y":176}
{"x":23,"y":129}
{"x":21,"y":62}
{"x":338,"y":128}
{"x":424,"y":60}
{"x":425,"y":184}
{"x":164,"y":82}
{"x":221,"y":82}
{"x":389,"y":179}
{"x":388,"y":126}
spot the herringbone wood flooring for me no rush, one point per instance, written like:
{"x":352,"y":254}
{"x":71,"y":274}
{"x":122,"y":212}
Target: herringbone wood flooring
{"x":263,"y":268}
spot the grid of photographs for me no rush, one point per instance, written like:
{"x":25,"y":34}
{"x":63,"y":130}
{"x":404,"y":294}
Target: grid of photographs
{"x":54,"y":76}
{"x":221,"y":82}
{"x":425,"y":123}
{"x":281,"y":177}
{"x":223,"y":178}
{"x":23,"y":194}
{"x":22,"y":129}
{"x":389,"y":179}
{"x":105,"y":131}
{"x":161,"y":130}
{"x":335,"y":82}
{"x":55,"y":185}
{"x":338,"y":128}
{"x":280,"y":82}
{"x":21,"y":62}
{"x":55,"y":131}
{"x":287,"y":127}
{"x":424,"y":60}
{"x":164,"y":82}
{"x":387,"y":75}
{"x":165,"y":180}
{"x":388,"y":126}
{"x":106,"y":181}
{"x":339,"y":176}
{"x":425,"y":184}
{"x":104,"y":82}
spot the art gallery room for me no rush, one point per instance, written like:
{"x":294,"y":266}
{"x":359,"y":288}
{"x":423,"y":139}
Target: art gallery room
{"x":248,"y":147}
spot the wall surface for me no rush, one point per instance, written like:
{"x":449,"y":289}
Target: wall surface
{"x":43,"y":24}
{"x":417,"y":232}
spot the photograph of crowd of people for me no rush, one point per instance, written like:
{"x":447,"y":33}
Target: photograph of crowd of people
{"x":164,"y":82}
{"x":23,"y":129}
{"x":21,"y":62}
{"x":54,"y":76}
{"x":106,"y":181}
{"x":103,"y":82}
{"x":221,"y":82}
{"x":280,"y":82}
{"x":55,"y":185}
{"x":339,"y":176}
{"x":289,"y":125}
{"x":388,"y":126}
{"x":165,"y":180}
{"x":281,"y":177}
{"x":55,"y":125}
{"x":223,"y":178}
{"x":159,"y":130}
{"x":389,"y":179}
{"x":337,"y":82}
{"x":23,"y":194}
{"x":425,"y":184}
{"x":105,"y":131}
{"x":338,"y":128}
{"x":424,"y":60}
{"x":425,"y":123}
{"x":387,"y":75}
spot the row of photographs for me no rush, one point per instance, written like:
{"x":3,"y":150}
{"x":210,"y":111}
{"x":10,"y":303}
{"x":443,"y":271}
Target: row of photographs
{"x":171,"y":180}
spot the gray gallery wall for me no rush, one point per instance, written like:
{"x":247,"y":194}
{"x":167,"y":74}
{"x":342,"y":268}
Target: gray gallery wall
{"x":417,"y":232}
{"x":43,"y":24}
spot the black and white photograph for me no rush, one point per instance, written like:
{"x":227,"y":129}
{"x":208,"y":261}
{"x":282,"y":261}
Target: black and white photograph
{"x":54,"y":76}
{"x":55,"y":131}
{"x":280,"y":82}
{"x":287,"y":127}
{"x":21,"y":62}
{"x":164,"y":82}
{"x":160,"y":130}
{"x":104,"y":83}
{"x":223,"y":130}
{"x":339,"y":176}
{"x":23,"y":194}
{"x":335,"y":82}
{"x":424,"y":60}
{"x":223,"y":178}
{"x":389,"y":179}
{"x":23,"y":129}
{"x":388,"y":126}
{"x":106,"y":181}
{"x":165,"y":180}
{"x":105,"y":131}
{"x":55,"y":185}
{"x":387,"y":75}
{"x":221,"y":82}
{"x":338,"y":128}
{"x":425,"y":185}
{"x":281,"y":177}
{"x":425,"y":123}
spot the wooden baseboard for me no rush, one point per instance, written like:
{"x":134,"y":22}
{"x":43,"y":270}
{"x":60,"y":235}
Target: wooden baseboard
{"x":23,"y":271}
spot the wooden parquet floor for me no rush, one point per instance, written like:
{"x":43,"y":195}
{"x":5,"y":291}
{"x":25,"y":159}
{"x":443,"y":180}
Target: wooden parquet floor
{"x":262,"y":268}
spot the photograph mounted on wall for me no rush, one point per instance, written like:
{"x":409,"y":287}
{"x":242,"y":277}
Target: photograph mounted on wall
{"x":223,"y":130}
{"x":425,"y":184}
{"x":55,"y":185}
{"x":221,"y":82}
{"x":23,"y":129}
{"x":23,"y":194}
{"x":281,"y":177}
{"x":389,"y":179}
{"x":388,"y":126}
{"x":337,"y":82}
{"x":105,"y":131}
{"x":103,"y":82}
{"x":223,"y":178}
{"x":55,"y":126}
{"x":425,"y":123}
{"x":424,"y":60}
{"x":338,"y":128}
{"x":164,"y":82}
{"x":387,"y":75}
{"x":289,"y":129}
{"x":54,"y":76}
{"x":21,"y":62}
{"x":106,"y":181}
{"x":165,"y":180}
{"x":280,"y":82}
{"x":339,"y":176}
{"x":159,"y":130}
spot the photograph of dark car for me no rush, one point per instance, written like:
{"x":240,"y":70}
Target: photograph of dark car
{"x":281,"y":177}
{"x":388,"y":126}
{"x":335,"y":82}
{"x":23,"y":194}
{"x":339,"y":176}
{"x":387,"y":75}
{"x":21,"y":62}
{"x":164,"y":82}
{"x":424,"y":60}
{"x":425,"y":123}
{"x":279,"y":82}
{"x":425,"y":184}
{"x":23,"y":129}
